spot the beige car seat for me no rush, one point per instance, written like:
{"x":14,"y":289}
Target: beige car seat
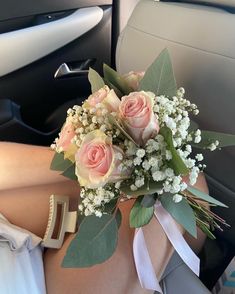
{"x":201,"y":42}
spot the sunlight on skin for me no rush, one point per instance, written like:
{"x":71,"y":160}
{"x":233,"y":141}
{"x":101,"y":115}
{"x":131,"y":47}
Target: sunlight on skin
{"x":116,"y":275}
{"x":26,"y":165}
{"x":26,"y":204}
{"x":28,"y":207}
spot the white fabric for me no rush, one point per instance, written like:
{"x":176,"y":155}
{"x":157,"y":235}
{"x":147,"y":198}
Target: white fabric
{"x":21,"y":264}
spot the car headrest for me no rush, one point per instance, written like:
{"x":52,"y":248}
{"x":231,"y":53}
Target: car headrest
{"x":201,"y":43}
{"x":224,"y":3}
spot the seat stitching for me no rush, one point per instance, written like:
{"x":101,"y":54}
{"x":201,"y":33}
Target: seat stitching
{"x":203,"y":50}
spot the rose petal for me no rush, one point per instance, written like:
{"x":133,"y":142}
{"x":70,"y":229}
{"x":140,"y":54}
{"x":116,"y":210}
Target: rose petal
{"x":96,"y":162}
{"x":137,"y":116}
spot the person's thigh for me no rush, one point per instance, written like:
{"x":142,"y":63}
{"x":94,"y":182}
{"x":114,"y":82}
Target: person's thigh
{"x":28,"y":207}
{"x":118,"y":274}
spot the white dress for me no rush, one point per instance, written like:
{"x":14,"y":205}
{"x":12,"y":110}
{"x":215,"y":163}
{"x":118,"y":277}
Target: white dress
{"x":21,"y":263}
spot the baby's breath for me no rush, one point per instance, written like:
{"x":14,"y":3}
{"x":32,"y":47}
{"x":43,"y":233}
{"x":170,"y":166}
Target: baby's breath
{"x":141,"y":164}
{"x":94,"y":200}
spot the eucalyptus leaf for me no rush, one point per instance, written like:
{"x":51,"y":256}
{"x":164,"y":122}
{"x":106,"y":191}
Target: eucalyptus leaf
{"x":181,"y":212}
{"x":113,"y":121}
{"x":80,"y":218}
{"x":176,"y":162}
{"x":110,"y":206}
{"x":59,"y":163}
{"x":140,"y":215}
{"x":94,"y":243}
{"x":193,"y":126}
{"x":118,"y":217}
{"x":70,"y":173}
{"x":159,"y":77}
{"x":148,"y":200}
{"x":204,"y":196}
{"x":150,"y":187}
{"x":117,"y":80}
{"x":116,"y":90}
{"x":95,"y":80}
{"x":209,"y":137}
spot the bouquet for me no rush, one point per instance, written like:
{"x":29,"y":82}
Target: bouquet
{"x":133,"y":138}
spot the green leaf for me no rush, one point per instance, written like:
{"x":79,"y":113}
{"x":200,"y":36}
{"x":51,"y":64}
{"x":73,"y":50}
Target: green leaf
{"x":204,"y":196}
{"x":59,"y":163}
{"x":159,"y":77}
{"x":110,"y":206}
{"x":148,"y":188}
{"x":70,"y":173}
{"x":80,"y":218}
{"x":115,"y":79}
{"x":140,"y":215}
{"x":95,"y":80}
{"x":118,"y":217}
{"x":148,"y":200}
{"x":205,"y":229}
{"x":110,"y":209}
{"x":181,"y":212}
{"x":176,"y":162}
{"x":193,"y":126}
{"x":113,"y":121}
{"x":94,"y":243}
{"x":116,"y":90}
{"x":209,"y":137}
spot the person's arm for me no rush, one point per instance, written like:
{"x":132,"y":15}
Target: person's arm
{"x":25,"y":165}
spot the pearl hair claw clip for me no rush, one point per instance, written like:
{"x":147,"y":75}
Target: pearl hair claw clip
{"x":60,"y":221}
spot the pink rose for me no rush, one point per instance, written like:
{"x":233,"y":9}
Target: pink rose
{"x":66,"y":135}
{"x":97,"y":160}
{"x":136,"y":113}
{"x":133,"y":79}
{"x":104,"y":96}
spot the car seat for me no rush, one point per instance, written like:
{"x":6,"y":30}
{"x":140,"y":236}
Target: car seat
{"x":200,"y":39}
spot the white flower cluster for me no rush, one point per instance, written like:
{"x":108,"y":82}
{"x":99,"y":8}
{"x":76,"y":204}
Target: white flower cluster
{"x":197,"y":138}
{"x":213,"y":146}
{"x":93,"y":200}
{"x":174,"y":113}
{"x":145,"y":164}
{"x":153,"y":161}
{"x":85,"y":121}
{"x":93,"y":119}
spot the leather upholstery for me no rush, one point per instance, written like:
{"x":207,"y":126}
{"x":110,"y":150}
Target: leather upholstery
{"x":226,"y":3}
{"x":201,"y":43}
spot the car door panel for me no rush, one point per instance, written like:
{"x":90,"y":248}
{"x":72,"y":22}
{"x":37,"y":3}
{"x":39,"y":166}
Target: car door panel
{"x":28,"y":76}
{"x":38,"y":41}
{"x":15,"y":9}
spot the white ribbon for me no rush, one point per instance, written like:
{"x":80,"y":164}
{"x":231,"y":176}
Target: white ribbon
{"x":176,"y":238}
{"x":143,"y":264}
{"x":144,"y":267}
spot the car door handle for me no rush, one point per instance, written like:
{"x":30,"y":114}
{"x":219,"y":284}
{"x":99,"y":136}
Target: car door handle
{"x":22,"y":47}
{"x":74,"y":69}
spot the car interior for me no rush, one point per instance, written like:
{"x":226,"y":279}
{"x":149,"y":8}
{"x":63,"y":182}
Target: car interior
{"x":47,"y":47}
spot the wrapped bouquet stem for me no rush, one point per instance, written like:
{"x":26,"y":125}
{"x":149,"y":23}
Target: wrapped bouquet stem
{"x":133,"y":138}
